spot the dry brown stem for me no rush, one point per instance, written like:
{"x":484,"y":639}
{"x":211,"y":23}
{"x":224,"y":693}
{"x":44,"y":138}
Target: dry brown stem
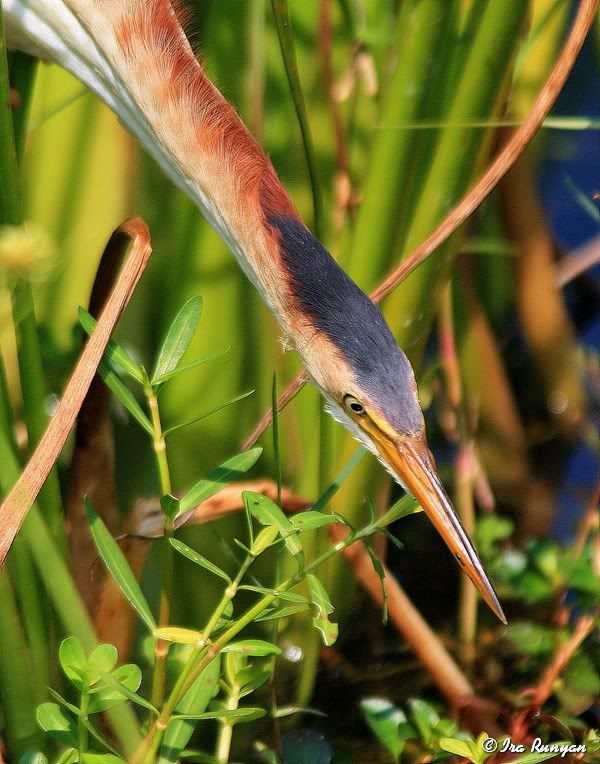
{"x":19,"y":500}
{"x":92,"y":471}
{"x":498,"y":168}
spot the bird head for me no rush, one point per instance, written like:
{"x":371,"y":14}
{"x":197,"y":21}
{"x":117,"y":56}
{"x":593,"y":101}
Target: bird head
{"x":368,"y":383}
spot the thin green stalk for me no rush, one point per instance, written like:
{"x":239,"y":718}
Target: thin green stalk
{"x":202,"y":656}
{"x":149,"y":746}
{"x":28,"y":347}
{"x":283,"y":24}
{"x":55,"y":574}
{"x":225,"y":736}
{"x":168,"y":561}
{"x":21,"y":568}
{"x":278,"y":573}
{"x":82,"y":729}
{"x":23,"y":70}
{"x":20,"y":729}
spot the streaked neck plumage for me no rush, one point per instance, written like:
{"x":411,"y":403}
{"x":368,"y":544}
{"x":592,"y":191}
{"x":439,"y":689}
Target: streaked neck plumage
{"x":136,"y":57}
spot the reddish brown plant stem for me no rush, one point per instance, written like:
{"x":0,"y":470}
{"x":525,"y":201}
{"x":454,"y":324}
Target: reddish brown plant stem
{"x":498,"y":168}
{"x":556,"y":667}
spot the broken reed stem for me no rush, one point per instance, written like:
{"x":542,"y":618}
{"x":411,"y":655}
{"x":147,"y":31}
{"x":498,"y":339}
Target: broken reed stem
{"x":16,"y":505}
{"x":473,"y":199}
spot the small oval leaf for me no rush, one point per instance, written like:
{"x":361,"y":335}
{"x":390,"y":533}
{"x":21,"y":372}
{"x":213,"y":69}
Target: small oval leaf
{"x":179,"y":337}
{"x":73,"y":660}
{"x":192,"y":555}
{"x":320,"y":599}
{"x":258,"y":648}
{"x":230,"y":470}
{"x":55,"y":722}
{"x":179,"y":635}
{"x":118,"y":566}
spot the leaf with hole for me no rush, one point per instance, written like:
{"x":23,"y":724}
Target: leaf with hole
{"x":320,"y":600}
{"x":311,"y":520}
{"x":230,"y":470}
{"x":194,"y":556}
{"x":114,"y":353}
{"x":178,"y":339}
{"x":118,"y":566}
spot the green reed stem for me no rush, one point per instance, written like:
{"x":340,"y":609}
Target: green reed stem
{"x":283,"y":24}
{"x":480,"y":84}
{"x":168,"y":561}
{"x":421,"y":25}
{"x":20,"y":730}
{"x":55,"y":574}
{"x":28,"y":346}
{"x":21,"y":568}
{"x":204,"y":654}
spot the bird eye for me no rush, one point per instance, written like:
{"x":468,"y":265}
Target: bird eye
{"x":353,"y":405}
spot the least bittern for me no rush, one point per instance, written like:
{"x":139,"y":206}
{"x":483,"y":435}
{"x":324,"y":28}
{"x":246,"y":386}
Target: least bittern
{"x":135,"y":55}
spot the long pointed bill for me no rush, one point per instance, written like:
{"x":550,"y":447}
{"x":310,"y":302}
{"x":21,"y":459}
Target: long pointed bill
{"x":412,"y":463}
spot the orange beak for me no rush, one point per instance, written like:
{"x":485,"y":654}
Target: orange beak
{"x":410,"y":459}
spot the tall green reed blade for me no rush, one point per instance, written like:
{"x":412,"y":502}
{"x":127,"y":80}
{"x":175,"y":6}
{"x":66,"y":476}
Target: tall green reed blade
{"x":22,"y":574}
{"x":421,"y":29}
{"x":21,"y":733}
{"x":283,"y":24}
{"x":481,"y":84}
{"x":29,"y":355}
{"x":54,"y":572}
